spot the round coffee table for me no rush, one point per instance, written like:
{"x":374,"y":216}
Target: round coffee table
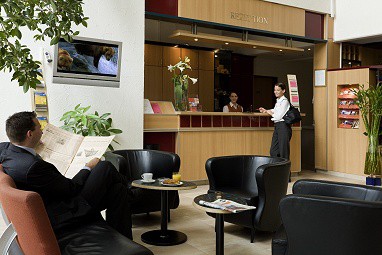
{"x":219,"y":215}
{"x":163,"y":237}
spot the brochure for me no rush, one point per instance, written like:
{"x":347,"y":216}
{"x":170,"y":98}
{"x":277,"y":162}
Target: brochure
{"x":70,"y":152}
{"x":227,"y":205}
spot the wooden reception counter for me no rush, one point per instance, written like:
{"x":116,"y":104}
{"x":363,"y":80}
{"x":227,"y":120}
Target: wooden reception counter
{"x":197,"y":136}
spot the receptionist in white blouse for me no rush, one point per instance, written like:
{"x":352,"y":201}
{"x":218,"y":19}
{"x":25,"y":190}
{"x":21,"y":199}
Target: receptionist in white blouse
{"x":282,"y":134}
{"x":233,"y":106}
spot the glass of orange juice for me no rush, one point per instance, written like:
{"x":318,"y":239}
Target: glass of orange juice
{"x":176,"y":176}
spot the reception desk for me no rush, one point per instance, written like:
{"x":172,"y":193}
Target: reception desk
{"x":197,"y":136}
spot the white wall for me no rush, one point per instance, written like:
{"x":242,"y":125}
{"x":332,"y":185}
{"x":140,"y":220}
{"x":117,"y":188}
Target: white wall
{"x":357,"y":19}
{"x":322,"y":6}
{"x":116,"y":20}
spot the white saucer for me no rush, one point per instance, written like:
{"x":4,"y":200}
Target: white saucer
{"x":149,"y":181}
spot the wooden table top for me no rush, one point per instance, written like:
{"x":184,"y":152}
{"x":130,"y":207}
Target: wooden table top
{"x":157,"y":185}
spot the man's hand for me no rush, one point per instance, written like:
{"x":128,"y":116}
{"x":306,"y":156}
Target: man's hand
{"x":92,"y":163}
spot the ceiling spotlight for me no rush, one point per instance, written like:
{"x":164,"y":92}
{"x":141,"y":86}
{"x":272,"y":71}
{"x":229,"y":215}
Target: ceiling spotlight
{"x":216,"y":56}
{"x":308,"y":48}
{"x":280,"y":50}
{"x":196,"y":39}
{"x":254,"y":47}
{"x":216,"y":51}
{"x":176,"y":46}
{"x":226,"y":43}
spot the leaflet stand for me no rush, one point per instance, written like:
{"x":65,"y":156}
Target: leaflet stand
{"x":40,"y":101}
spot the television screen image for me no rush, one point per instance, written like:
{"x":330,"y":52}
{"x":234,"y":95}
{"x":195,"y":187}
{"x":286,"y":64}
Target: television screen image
{"x":87,"y":60}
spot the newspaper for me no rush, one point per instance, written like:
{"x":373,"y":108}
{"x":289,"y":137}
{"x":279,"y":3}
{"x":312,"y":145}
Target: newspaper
{"x":227,"y":205}
{"x":69,"y":152}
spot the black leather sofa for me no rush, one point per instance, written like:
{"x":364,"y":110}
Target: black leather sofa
{"x":260,"y":180}
{"x":133,"y":163}
{"x":323,"y":217}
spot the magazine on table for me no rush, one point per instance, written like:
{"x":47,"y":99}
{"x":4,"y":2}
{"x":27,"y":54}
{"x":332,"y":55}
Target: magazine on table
{"x":69,"y":152}
{"x":227,"y":205}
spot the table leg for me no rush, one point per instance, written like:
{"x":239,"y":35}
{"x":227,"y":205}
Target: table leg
{"x":219,"y":228}
{"x":164,"y":237}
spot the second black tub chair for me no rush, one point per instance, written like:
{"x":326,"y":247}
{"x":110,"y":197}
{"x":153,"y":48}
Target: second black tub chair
{"x":133,"y":163}
{"x":260,"y":180}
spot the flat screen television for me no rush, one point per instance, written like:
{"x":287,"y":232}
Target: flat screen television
{"x":86,"y":61}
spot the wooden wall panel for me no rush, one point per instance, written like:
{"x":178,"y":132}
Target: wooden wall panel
{"x":206,"y":90}
{"x":167,"y":86}
{"x":193,"y":89}
{"x":206,"y":60}
{"x":346,"y":147}
{"x":194,"y":148}
{"x":320,"y":110}
{"x":153,"y":55}
{"x":153,"y":83}
{"x":246,"y":13}
{"x":171,"y":56}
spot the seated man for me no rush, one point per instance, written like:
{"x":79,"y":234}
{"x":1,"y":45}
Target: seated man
{"x":96,"y":187}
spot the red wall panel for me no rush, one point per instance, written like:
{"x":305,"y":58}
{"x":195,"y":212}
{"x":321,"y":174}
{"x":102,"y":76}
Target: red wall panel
{"x":169,"y":7}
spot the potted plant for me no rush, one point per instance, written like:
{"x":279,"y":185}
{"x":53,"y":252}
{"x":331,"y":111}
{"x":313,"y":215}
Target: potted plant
{"x":78,"y":121}
{"x":370,"y":105}
{"x":181,"y":83}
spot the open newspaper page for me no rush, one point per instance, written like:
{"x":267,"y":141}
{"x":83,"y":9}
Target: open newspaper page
{"x":58,"y":147}
{"x":227,"y":205}
{"x":91,"y":147}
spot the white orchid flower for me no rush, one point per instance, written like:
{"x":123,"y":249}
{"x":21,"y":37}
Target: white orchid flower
{"x":170,"y":68}
{"x":186,"y":60}
{"x":194,"y":80}
{"x":181,"y":68}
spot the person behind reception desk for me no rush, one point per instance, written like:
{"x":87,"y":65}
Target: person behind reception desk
{"x":233,"y":106}
{"x":282,"y":134}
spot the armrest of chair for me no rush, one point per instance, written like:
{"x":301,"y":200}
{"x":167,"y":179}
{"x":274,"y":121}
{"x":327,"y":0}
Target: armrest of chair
{"x":337,"y":189}
{"x":327,"y":225}
{"x":119,"y":162}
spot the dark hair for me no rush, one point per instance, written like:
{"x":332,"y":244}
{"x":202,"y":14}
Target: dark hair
{"x":281,"y":85}
{"x":18,"y":125}
{"x":230,"y":93}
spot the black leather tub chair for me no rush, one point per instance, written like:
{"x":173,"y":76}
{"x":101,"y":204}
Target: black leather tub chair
{"x":133,"y":163}
{"x":260,"y":180}
{"x":323,"y":217}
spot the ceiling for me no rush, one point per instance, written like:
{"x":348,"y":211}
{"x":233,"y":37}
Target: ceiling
{"x":160,"y":31}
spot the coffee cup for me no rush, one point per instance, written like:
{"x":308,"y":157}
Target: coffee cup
{"x":147,"y":177}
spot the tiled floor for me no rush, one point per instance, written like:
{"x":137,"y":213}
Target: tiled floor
{"x":199,"y":227}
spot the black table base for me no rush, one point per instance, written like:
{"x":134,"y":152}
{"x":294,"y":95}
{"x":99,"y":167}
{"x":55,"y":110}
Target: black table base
{"x":171,"y":237}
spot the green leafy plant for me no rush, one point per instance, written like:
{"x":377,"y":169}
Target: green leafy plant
{"x":78,"y":121}
{"x":46,"y":18}
{"x":370,"y":104}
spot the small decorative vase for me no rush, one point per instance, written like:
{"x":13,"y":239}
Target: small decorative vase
{"x":373,"y":157}
{"x":181,"y":94}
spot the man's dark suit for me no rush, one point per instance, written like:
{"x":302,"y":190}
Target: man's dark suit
{"x":70,"y":201}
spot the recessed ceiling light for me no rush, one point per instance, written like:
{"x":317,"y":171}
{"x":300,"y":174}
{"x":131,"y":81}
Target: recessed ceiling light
{"x":226,"y":43}
{"x":216,"y":56}
{"x":176,"y":46}
{"x":308,"y":48}
{"x":216,"y":51}
{"x":254,"y":47}
{"x":196,"y":39}
{"x":280,"y":50}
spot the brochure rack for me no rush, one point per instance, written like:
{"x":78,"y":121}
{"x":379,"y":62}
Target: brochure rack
{"x":348,"y":111}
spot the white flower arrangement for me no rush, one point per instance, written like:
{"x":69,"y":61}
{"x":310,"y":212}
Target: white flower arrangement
{"x":182,"y":65}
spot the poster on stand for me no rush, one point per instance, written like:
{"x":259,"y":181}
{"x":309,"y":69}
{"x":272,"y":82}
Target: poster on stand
{"x":293,"y":90}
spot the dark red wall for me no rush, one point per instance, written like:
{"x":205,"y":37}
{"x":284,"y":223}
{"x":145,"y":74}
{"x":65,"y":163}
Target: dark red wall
{"x":314,"y":25}
{"x":169,"y":7}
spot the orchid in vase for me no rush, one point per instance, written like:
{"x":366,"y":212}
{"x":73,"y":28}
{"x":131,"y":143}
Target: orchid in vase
{"x":180,"y":80}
